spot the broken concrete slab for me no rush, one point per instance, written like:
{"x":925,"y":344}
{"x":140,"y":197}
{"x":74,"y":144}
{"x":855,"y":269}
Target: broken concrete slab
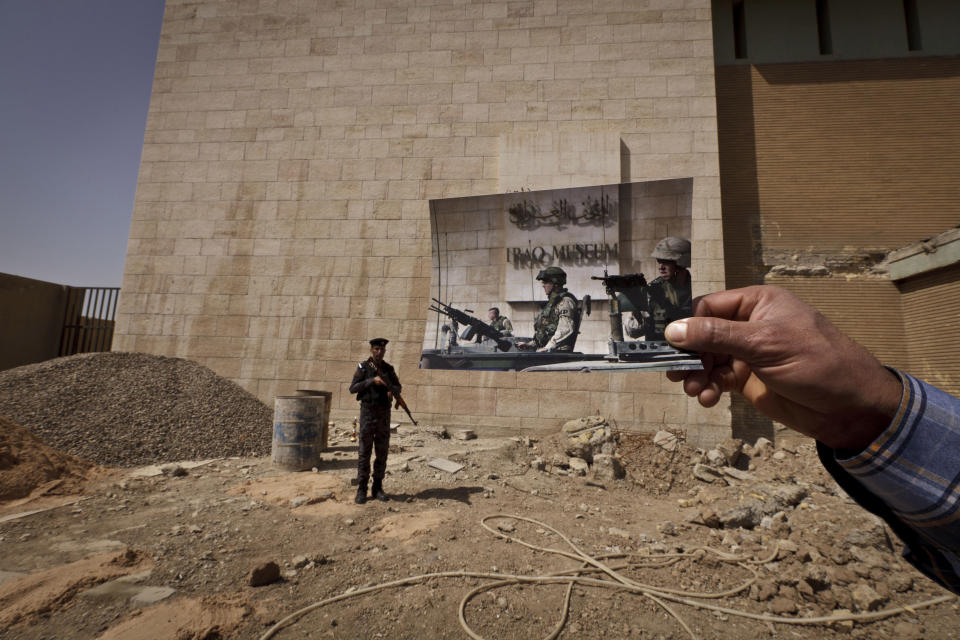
{"x":737,"y":474}
{"x":125,"y":590}
{"x":111,"y":590}
{"x":152,"y":595}
{"x":666,"y":440}
{"x":445,"y":465}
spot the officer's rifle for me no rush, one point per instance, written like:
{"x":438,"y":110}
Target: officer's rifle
{"x":479,"y":326}
{"x":400,"y":403}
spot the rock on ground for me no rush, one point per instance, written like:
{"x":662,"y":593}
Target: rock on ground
{"x":263,"y":574}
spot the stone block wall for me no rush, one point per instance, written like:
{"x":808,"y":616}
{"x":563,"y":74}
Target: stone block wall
{"x":282,"y":216}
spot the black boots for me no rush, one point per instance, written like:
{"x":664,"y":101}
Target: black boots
{"x":378,"y":491}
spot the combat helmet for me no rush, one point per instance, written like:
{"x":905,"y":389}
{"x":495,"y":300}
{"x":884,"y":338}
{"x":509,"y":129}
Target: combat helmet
{"x":675,"y":249}
{"x":556,"y":275}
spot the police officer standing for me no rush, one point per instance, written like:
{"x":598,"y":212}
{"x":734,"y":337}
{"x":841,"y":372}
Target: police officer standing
{"x":375,"y":382}
{"x":555,"y":327}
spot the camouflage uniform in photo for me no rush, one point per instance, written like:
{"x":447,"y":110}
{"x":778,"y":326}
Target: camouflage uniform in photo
{"x":555,"y":327}
{"x":374,"y":430}
{"x":503,"y":325}
{"x":669,"y":301}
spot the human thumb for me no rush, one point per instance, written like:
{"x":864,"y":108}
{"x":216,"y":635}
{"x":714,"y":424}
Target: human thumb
{"x":712,"y":335}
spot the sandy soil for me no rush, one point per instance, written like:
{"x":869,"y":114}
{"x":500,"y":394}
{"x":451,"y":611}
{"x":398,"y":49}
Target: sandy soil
{"x":200,"y":531}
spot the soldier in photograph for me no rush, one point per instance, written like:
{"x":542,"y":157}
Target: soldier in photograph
{"x":498,"y":322}
{"x":669,"y":296}
{"x":555,"y":327}
{"x":376,"y":383}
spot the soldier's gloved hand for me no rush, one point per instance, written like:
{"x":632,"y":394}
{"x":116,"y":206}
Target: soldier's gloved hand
{"x":542,"y":349}
{"x":790,"y":362}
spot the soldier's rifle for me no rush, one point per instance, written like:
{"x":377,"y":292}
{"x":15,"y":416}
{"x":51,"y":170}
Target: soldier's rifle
{"x":635,"y":289}
{"x":478,"y":325}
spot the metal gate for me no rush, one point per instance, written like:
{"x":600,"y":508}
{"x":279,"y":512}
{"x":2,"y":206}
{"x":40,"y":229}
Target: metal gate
{"x":88,"y":319}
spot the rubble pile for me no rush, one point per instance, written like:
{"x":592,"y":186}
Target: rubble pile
{"x":128,"y":409}
{"x":27,"y":465}
{"x":590,"y":447}
{"x":585,"y":446}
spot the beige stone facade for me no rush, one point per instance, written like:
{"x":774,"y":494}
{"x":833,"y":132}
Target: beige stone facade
{"x":292,"y":148}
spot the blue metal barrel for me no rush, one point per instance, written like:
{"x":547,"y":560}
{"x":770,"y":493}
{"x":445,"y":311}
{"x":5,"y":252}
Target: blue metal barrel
{"x":298,"y":430}
{"x":326,"y":412}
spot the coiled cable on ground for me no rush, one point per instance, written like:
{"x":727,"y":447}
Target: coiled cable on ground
{"x":596,"y":565}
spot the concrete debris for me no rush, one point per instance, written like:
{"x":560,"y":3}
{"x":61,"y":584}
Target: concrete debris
{"x":580,"y":424}
{"x":559,"y":460}
{"x":865,"y":598}
{"x":737,"y":474}
{"x":666,"y":440}
{"x":716,"y":459}
{"x":875,"y":537}
{"x":762,"y":448}
{"x":709,"y":518}
{"x":579,"y":466}
{"x":578,"y":448}
{"x":731,"y":448}
{"x":538,"y":464}
{"x":845,"y":625}
{"x":263,"y":574}
{"x":151,"y":595}
{"x":443,"y":464}
{"x":800,"y":270}
{"x":789,"y":495}
{"x":464,"y":434}
{"x":707,"y":474}
{"x":436,"y":432}
{"x":743,"y":517}
{"x":299,"y":562}
{"x":607,"y":467}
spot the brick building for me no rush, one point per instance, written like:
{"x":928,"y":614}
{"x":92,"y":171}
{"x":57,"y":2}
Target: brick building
{"x":293,"y":146}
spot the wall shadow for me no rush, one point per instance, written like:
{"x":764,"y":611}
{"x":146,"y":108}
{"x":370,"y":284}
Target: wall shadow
{"x":740,"y":202}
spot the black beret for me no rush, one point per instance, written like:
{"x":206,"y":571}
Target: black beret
{"x":379,"y":342}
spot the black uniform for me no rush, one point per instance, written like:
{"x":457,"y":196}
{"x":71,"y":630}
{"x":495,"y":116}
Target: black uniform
{"x":374,"y":417}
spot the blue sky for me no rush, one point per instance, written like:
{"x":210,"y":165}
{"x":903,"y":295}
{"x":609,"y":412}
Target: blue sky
{"x":75,"y":80}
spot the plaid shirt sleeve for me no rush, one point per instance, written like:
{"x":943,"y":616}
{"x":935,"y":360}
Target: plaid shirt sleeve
{"x":910,"y":477}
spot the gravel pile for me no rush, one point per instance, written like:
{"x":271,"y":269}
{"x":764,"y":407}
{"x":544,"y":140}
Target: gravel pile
{"x":129,"y":409}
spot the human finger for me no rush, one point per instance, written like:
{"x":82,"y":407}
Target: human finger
{"x":678,"y":376}
{"x":716,"y":335}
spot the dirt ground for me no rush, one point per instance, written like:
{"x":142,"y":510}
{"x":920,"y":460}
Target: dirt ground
{"x":167,"y":552}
